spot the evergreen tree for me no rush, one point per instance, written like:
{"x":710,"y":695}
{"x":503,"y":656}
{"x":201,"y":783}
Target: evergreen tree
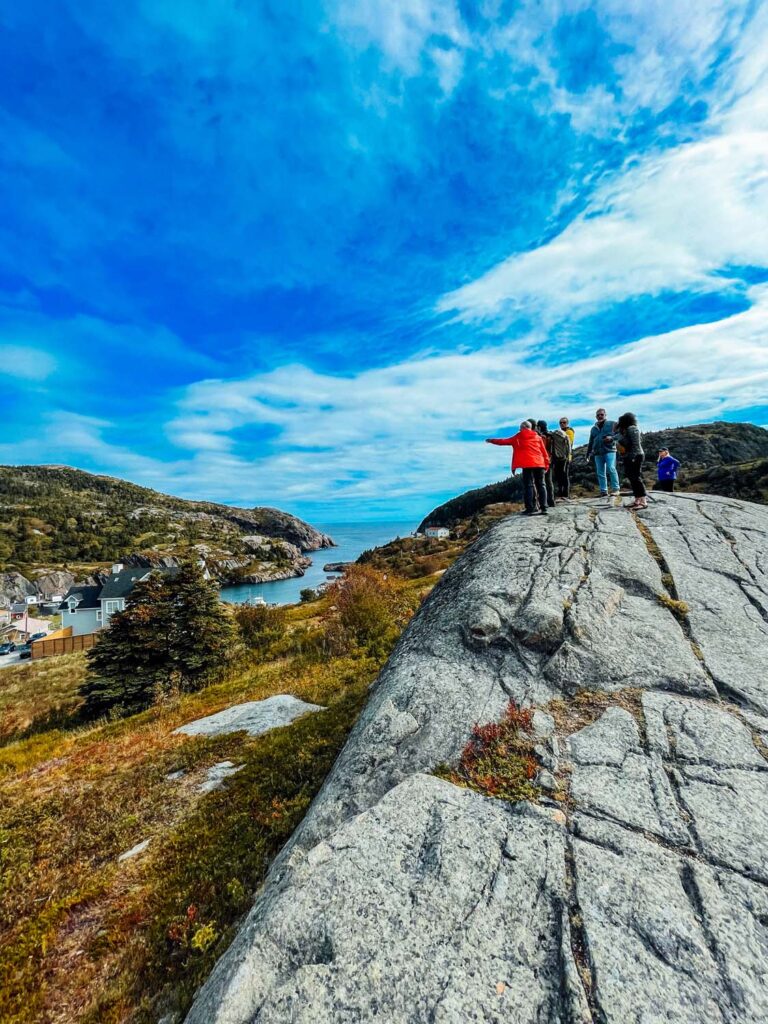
{"x":130,"y":663}
{"x":202,"y":633}
{"x":173,"y":635}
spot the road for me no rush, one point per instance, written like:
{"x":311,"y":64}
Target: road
{"x":6,"y":660}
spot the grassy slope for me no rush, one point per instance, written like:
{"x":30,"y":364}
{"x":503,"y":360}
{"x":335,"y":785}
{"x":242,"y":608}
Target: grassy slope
{"x":84,"y":938}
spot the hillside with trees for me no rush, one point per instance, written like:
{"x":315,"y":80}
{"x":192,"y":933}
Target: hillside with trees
{"x":125,"y":871}
{"x":55,"y":516}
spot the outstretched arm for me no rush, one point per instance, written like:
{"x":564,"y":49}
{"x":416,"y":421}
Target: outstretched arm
{"x":499,"y":440}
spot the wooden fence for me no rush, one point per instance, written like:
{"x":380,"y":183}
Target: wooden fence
{"x":55,"y":645}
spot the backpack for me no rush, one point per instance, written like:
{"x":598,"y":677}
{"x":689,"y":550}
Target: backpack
{"x":559,"y":444}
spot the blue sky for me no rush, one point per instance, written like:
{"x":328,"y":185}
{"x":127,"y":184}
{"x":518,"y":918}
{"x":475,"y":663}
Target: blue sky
{"x":311,"y":254}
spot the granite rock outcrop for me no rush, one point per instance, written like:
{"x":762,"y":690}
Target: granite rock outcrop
{"x":635,"y":889}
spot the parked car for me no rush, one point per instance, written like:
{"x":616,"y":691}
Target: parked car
{"x":25,"y":651}
{"x":37,"y":636}
{"x":7,"y":648}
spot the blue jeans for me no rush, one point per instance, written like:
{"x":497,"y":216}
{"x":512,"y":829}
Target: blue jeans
{"x":603,"y":463}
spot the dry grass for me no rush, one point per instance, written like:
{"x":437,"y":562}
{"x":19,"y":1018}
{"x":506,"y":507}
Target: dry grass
{"x":74,"y":922}
{"x":678,"y":608}
{"x":36,"y":696}
{"x":586,"y":706}
{"x":87,"y":940}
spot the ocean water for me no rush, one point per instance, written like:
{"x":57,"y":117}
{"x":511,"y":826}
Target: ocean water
{"x":351,"y":539}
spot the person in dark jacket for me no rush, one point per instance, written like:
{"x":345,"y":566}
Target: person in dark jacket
{"x":530,"y":455}
{"x":560,"y":452}
{"x":631,"y":446}
{"x":666,"y":471}
{"x":543,"y":431}
{"x":602,"y":448}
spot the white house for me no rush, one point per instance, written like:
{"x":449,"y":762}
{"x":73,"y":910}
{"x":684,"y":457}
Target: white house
{"x":439,"y":532}
{"x":89,"y":608}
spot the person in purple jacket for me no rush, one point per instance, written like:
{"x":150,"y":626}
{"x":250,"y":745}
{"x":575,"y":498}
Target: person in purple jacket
{"x":666,"y":469}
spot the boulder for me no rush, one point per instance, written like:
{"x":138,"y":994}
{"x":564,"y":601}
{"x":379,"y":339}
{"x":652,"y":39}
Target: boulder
{"x":642,"y":897}
{"x":15,"y":587}
{"x":49,"y":583}
{"x":253,"y":717}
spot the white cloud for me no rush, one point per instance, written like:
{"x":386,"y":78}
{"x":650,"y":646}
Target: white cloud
{"x":386,"y":440}
{"x":26,"y":363}
{"x":401,"y":28}
{"x":671,"y":222}
{"x":416,"y":428}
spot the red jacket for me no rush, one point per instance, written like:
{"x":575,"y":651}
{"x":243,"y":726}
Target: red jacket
{"x":528,"y":450}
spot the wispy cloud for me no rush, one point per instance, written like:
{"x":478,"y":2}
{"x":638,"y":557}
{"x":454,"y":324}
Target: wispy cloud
{"x":676,"y":221}
{"x":416,"y":428}
{"x":25,"y":362}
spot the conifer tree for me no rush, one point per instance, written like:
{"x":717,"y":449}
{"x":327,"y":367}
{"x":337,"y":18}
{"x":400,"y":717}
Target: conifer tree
{"x":130,"y":662}
{"x":202,"y":631}
{"x":173,"y":635}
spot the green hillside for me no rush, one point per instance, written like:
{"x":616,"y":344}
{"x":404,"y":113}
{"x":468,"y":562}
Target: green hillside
{"x":54,"y":515}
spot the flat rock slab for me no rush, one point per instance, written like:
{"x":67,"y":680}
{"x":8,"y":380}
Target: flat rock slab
{"x":388,"y":944}
{"x":216,"y":774}
{"x":254,"y":717}
{"x":669,"y":938}
{"x":642,"y":899}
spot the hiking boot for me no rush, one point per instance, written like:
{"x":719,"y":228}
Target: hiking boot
{"x":543,"y":512}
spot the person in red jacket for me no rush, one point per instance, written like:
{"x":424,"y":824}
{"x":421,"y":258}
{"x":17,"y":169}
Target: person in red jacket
{"x":529,"y":454}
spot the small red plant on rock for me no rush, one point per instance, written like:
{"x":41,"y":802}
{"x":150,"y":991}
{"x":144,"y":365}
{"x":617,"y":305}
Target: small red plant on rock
{"x":498,"y":759}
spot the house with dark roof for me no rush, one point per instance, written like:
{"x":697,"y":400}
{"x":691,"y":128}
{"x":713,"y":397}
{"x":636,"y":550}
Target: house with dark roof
{"x":87,"y":609}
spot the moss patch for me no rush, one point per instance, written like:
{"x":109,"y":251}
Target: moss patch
{"x":678,"y":608}
{"x":586,"y":706}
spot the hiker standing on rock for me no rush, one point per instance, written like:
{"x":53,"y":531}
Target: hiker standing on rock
{"x":561,"y":452}
{"x":602,"y":448}
{"x":530,"y":455}
{"x":565,"y":426}
{"x":631,"y":446}
{"x":666,"y":471}
{"x":543,"y":431}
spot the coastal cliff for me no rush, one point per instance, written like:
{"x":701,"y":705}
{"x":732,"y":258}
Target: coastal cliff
{"x":634,"y":887}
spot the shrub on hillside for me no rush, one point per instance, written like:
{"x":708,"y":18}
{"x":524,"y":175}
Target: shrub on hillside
{"x":173,"y":636}
{"x":366,"y":612}
{"x":261,"y":626}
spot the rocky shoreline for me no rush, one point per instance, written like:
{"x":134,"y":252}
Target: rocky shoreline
{"x":269,"y":559}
